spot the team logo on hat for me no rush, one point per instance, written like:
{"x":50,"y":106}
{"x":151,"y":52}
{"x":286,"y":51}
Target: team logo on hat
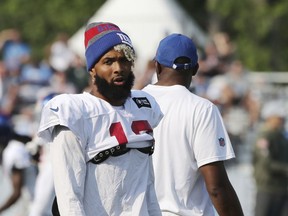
{"x":125,"y":39}
{"x":101,"y":37}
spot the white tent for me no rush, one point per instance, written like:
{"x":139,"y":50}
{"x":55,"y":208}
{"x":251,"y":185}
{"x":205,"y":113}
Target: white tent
{"x":146,"y":22}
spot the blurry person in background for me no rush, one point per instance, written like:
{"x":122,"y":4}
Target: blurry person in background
{"x":232,"y":94}
{"x":9,"y":88}
{"x":60,"y":83}
{"x":148,"y":77}
{"x":18,"y":169}
{"x":14,"y":50}
{"x":270,"y":160}
{"x":76,"y":74}
{"x":5,"y":134}
{"x":61,"y":56}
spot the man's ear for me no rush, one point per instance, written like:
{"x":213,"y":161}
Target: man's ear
{"x":92,"y":75}
{"x":92,"y":72}
{"x":195,"y":69}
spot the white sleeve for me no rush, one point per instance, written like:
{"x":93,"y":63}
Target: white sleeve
{"x":62,"y":110}
{"x":211,"y":141}
{"x":69,"y":170}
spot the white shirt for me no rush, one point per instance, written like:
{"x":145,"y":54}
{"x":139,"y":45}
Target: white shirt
{"x":190,"y":135}
{"x":122,"y":185}
{"x":15,"y":155}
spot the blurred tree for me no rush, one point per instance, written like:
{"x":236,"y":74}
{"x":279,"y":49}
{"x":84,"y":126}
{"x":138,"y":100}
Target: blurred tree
{"x":257,"y":27}
{"x":40,"y":21}
{"x":197,"y":10}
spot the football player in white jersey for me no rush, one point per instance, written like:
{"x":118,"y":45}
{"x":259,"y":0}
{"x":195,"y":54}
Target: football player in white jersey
{"x":101,"y":141}
{"x":191,"y":140}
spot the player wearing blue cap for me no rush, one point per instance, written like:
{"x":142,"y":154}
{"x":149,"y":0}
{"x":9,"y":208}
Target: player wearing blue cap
{"x":191,"y":140}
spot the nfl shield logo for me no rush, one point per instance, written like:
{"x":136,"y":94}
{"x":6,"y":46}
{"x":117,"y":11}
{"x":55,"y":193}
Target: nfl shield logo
{"x":221,"y":141}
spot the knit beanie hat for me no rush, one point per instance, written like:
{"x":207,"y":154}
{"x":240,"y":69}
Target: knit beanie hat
{"x":101,"y":37}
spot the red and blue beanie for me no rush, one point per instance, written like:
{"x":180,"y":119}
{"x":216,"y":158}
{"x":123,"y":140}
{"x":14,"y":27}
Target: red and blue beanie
{"x":99,"y":38}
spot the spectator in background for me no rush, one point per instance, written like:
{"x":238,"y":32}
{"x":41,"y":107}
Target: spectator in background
{"x":237,"y":109}
{"x":199,"y":85}
{"x":61,"y":56}
{"x":225,"y":48}
{"x":3,"y":74}
{"x":209,"y":62}
{"x":5,"y":134}
{"x":231,"y":92}
{"x":9,"y":91}
{"x":60,"y":83}
{"x":219,"y":92}
{"x":15,"y":51}
{"x":270,"y":160}
{"x":18,"y":169}
{"x":148,"y":77}
{"x":214,"y":61}
{"x":76,"y":74}
{"x":34,"y":75}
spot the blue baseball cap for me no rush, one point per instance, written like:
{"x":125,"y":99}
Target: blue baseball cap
{"x":174,"y":46}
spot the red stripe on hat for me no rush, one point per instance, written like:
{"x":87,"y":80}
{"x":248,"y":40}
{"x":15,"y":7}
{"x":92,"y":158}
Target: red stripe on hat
{"x":90,"y":33}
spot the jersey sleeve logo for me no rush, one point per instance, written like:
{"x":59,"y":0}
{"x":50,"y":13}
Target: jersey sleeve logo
{"x":142,"y":102}
{"x":221,"y":141}
{"x":55,"y":109}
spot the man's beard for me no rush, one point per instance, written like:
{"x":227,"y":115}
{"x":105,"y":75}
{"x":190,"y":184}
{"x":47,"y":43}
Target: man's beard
{"x":114,"y":92}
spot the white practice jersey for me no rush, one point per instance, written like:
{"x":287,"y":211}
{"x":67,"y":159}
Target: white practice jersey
{"x":121,"y":184}
{"x":190,"y":135}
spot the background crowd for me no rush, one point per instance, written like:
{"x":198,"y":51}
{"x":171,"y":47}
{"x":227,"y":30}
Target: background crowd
{"x":26,"y":80}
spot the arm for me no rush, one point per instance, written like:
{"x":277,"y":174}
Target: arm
{"x":69,"y":171}
{"x":221,"y":192}
{"x":17,"y":182}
